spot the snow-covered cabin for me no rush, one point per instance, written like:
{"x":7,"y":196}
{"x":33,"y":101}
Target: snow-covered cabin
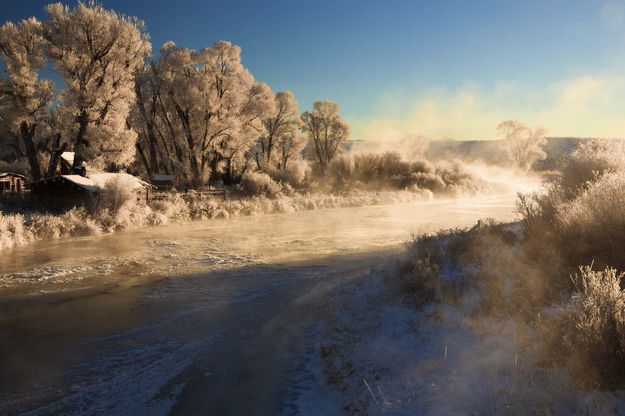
{"x":12,"y":182}
{"x":70,"y":190}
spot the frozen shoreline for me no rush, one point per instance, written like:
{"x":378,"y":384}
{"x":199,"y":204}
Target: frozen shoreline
{"x":383,"y":355}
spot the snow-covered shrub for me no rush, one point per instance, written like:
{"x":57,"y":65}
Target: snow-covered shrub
{"x":173,"y":207}
{"x":366,"y":166}
{"x":220,"y":213}
{"x":296,"y":174}
{"x":13,"y":231}
{"x":116,"y":206}
{"x":588,"y":336}
{"x":116,"y":194}
{"x":78,"y":222}
{"x":341,"y":171}
{"x":388,"y":171}
{"x":418,"y":274}
{"x":283,"y":205}
{"x":592,"y":226}
{"x":418,"y":280}
{"x":485,"y":261}
{"x":580,"y":216}
{"x":426,"y":180}
{"x":539,"y":211}
{"x":390,"y":165}
{"x":459,"y":180}
{"x":48,"y":226}
{"x":259,"y":183}
{"x":589,"y":161}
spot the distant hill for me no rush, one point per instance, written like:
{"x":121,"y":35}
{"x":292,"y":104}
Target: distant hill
{"x":493,"y":151}
{"x":488,"y":151}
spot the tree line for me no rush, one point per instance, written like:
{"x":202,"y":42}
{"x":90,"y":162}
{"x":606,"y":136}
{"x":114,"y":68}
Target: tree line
{"x":198,"y":114}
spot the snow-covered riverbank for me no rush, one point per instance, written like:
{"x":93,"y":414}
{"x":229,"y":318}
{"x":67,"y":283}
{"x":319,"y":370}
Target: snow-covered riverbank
{"x":21,"y":229}
{"x":381,"y":356}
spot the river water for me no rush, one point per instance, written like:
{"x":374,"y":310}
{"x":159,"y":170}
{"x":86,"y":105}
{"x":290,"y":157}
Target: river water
{"x":214,"y":317}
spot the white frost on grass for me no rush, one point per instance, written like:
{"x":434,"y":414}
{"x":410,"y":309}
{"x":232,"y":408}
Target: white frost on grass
{"x":386,"y":357}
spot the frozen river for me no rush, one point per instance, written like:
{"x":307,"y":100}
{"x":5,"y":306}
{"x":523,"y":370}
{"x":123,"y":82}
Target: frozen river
{"x":215,"y":317}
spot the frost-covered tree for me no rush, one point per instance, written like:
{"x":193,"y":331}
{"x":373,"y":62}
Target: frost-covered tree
{"x":523,"y":144}
{"x":326,"y":131}
{"x":97,"y":53}
{"x":257,"y":107}
{"x":154,"y":151}
{"x":201,"y":109}
{"x":24,"y":98}
{"x":282,"y":140}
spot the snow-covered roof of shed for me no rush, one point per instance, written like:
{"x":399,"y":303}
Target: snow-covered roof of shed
{"x":68,"y":157}
{"x":3,"y":174}
{"x":94,"y":182}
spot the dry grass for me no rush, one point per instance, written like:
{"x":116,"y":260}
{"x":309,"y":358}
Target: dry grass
{"x":587,"y":335}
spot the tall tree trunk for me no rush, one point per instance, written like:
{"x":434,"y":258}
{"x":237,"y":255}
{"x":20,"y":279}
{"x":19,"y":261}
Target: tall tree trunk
{"x":191,"y":142}
{"x":28,"y":132}
{"x":81,"y":140}
{"x":55,"y":154}
{"x":213,"y":172}
{"x":144,"y":160}
{"x":149,"y":123}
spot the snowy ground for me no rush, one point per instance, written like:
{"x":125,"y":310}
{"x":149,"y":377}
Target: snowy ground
{"x":382,"y":355}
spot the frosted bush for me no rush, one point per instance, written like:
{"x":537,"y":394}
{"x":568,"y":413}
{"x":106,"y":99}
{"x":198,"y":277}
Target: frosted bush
{"x":116,"y":194}
{"x":419,"y":281}
{"x":428,"y":180}
{"x":296,"y":174}
{"x":592,"y":226}
{"x":588,"y":162}
{"x":388,"y":171}
{"x":78,"y":223}
{"x":341,"y":171}
{"x":220,"y":213}
{"x":283,"y":205}
{"x":259,"y":183}
{"x":588,"y":335}
{"x":47,"y":226}
{"x":173,"y":207}
{"x":12,"y":231}
{"x":157,"y":218}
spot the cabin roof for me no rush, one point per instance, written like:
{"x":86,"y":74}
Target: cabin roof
{"x":68,"y":157}
{"x":4,"y":174}
{"x":94,"y":182}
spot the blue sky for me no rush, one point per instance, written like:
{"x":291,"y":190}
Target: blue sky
{"x":439,"y":68}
